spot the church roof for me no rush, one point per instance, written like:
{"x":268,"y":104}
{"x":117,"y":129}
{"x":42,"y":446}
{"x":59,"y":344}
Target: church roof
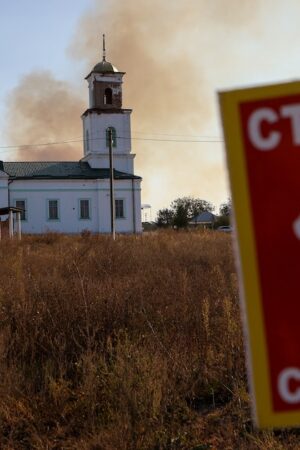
{"x":105,"y":67}
{"x":49,"y":170}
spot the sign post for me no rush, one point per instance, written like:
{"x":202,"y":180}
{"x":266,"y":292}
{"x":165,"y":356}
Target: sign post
{"x":262,"y":136}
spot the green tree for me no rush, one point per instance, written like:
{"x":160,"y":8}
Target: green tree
{"x":180,"y":219}
{"x":164,"y":217}
{"x":225,"y":208}
{"x":224,"y":214}
{"x":181,"y":211}
{"x":192,"y":206}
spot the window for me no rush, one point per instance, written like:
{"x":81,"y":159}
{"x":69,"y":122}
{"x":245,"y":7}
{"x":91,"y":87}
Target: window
{"x":119,"y":208}
{"x":22,"y":204}
{"x":107,"y":96}
{"x":84,"y":209}
{"x":53,"y":210}
{"x":114,"y":136}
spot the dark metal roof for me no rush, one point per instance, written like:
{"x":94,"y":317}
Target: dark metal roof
{"x":106,"y":111}
{"x":48,"y":170}
{"x":204,"y":217}
{"x":105,"y":68}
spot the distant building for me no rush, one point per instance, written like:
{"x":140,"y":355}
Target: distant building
{"x":206,"y":219}
{"x":146,"y":213}
{"x":70,"y":197}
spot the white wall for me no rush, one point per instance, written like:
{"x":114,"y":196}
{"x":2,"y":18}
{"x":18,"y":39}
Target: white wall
{"x":97,"y":124}
{"x":68,"y":192}
{"x":123,"y":163}
{"x":96,"y":152}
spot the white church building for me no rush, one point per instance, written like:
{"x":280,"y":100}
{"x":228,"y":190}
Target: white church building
{"x":72,"y":196}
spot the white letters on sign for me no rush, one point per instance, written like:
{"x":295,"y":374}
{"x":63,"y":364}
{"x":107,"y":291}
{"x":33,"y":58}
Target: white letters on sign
{"x":271,"y":141}
{"x":254,"y":129}
{"x":296,"y":227}
{"x":284,"y":389}
{"x":293,"y":112}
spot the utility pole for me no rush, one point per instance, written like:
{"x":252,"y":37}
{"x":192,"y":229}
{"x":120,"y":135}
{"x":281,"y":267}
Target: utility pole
{"x":111,"y":184}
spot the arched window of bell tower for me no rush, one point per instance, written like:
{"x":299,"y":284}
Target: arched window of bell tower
{"x":108,"y":96}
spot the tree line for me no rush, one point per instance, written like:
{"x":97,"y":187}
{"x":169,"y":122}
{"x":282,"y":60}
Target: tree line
{"x":184,"y":210}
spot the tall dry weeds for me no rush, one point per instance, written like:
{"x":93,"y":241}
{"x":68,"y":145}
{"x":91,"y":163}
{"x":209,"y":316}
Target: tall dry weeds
{"x":133,"y":344}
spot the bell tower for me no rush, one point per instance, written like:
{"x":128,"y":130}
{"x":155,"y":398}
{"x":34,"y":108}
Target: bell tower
{"x":106,"y":94}
{"x":106,"y":112}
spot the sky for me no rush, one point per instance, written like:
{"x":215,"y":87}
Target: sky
{"x":177,"y":56}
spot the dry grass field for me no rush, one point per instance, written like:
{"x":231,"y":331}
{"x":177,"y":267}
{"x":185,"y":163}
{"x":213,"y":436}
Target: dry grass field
{"x":133,"y":344}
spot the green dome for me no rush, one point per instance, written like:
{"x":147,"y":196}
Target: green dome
{"x":105,"y":67}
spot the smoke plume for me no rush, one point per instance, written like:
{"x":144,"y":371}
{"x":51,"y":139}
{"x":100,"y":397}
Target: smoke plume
{"x":164,"y":47}
{"x":44,"y":110}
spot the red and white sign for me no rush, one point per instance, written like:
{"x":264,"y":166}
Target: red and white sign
{"x":262,"y":130}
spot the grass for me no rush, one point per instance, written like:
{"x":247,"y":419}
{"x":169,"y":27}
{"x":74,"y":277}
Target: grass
{"x":133,"y":344}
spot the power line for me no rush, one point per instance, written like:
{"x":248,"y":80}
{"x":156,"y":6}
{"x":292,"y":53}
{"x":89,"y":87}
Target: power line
{"x":44,"y":144}
{"x":178,"y":135}
{"x":39,"y":145}
{"x":175,"y":140}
